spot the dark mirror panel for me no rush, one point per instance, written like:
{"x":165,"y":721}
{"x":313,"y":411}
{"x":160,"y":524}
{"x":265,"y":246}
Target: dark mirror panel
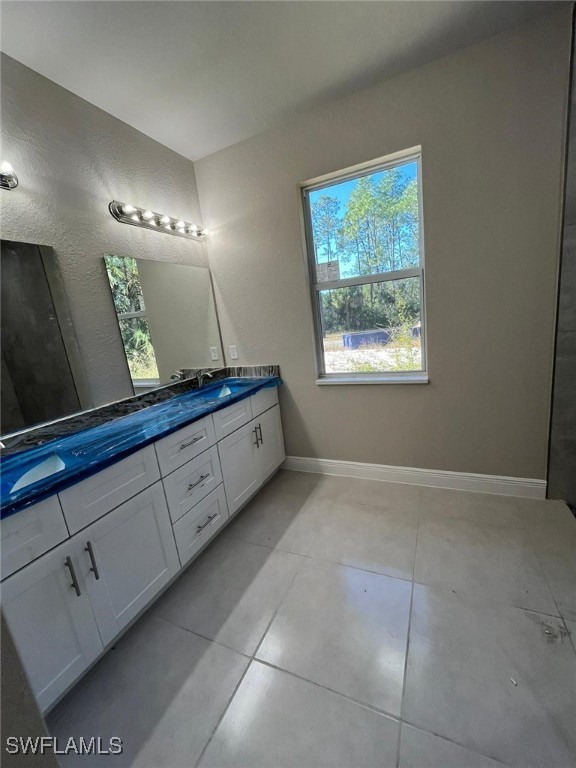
{"x":37,"y":380}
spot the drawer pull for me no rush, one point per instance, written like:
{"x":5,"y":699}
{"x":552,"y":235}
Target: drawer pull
{"x":210,"y":518}
{"x":68,"y":563}
{"x":259,"y":428}
{"x":191,"y":442}
{"x":88,"y":548}
{"x":257,"y":443}
{"x":200,"y":480}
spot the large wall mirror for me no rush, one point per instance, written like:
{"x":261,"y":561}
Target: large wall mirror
{"x":42,"y":376}
{"x":166,"y":316}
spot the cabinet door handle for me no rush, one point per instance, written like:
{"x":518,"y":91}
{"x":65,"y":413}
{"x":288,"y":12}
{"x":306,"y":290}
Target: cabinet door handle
{"x":259,"y":428}
{"x":208,"y":521}
{"x":200,"y":480}
{"x":257,"y":443}
{"x":68,"y":564}
{"x":191,"y":442}
{"x":88,"y":548}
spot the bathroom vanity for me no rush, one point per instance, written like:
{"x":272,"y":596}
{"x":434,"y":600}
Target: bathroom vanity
{"x":96,"y":524}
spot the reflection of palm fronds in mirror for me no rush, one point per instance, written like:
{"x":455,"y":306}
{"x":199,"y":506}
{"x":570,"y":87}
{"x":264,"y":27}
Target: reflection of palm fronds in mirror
{"x":125,"y":283}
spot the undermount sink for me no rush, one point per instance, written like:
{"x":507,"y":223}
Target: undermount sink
{"x":46,"y":468}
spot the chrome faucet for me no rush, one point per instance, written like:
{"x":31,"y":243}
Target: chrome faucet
{"x":195,"y":373}
{"x":201,"y":375}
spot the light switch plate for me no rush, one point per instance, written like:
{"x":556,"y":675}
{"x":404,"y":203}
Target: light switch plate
{"x":213,"y":353}
{"x":233,"y":352}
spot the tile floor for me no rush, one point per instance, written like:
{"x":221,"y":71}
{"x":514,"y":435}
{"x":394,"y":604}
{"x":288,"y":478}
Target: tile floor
{"x":341,"y":622}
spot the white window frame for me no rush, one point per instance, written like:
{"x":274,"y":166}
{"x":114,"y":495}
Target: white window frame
{"x":414,"y":154}
{"x":141,"y":384}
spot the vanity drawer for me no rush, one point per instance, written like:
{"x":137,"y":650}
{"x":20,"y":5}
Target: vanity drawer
{"x":199,"y":525}
{"x":264,"y":400}
{"x":176,"y":449}
{"x":188,"y":485}
{"x":88,"y":500}
{"x":29,"y":533}
{"x":235,"y":416}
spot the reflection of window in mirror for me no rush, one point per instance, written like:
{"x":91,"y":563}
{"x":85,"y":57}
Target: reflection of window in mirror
{"x":167,"y":318}
{"x":133,"y":321}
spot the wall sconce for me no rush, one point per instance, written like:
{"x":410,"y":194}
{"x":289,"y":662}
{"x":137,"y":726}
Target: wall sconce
{"x":140,"y":217}
{"x":8,"y":179}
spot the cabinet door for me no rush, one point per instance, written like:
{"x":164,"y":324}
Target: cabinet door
{"x":128,"y":557}
{"x":53,"y":627}
{"x":240,"y":465}
{"x":271,"y":452}
{"x":89,"y":499}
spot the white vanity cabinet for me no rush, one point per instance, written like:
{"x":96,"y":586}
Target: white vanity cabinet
{"x":271,"y":451}
{"x":85,"y":502}
{"x":128,"y":556}
{"x":188,"y":485}
{"x":65,"y":607}
{"x":125,"y":534}
{"x":250,"y":454}
{"x":175,"y":450}
{"x":48,"y":611}
{"x":29,"y":533}
{"x":240,"y":466}
{"x":198,"y":526}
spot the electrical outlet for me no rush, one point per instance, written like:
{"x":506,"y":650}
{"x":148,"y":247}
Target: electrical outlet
{"x":213,"y":353}
{"x":233,"y":352}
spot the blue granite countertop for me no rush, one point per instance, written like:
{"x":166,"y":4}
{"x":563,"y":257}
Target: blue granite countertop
{"x":72,"y":458}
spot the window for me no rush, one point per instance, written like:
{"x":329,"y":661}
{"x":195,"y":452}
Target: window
{"x":133,"y":321}
{"x":365,"y":250}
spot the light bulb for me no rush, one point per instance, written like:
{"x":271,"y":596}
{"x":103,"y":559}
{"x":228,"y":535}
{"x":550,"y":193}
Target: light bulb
{"x":135,"y":217}
{"x":193,"y":229}
{"x":127,"y":209}
{"x":165,"y":219}
{"x":204,"y":232}
{"x":181,"y":224}
{"x":147,"y":215}
{"x":6,"y":169}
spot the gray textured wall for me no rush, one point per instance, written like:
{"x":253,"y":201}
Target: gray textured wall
{"x":562,"y":469}
{"x":72,"y":159}
{"x":491,"y":122}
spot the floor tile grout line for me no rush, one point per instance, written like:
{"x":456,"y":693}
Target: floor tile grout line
{"x":251,"y":659}
{"x":324,"y":560}
{"x":224,"y":711}
{"x":410,"y":612}
{"x":203,"y":637}
{"x":486,"y":600}
{"x":560,"y":614}
{"x":359,"y":703}
{"x":282,"y":599}
{"x":451,"y":741}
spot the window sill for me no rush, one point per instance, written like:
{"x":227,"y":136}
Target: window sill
{"x":420,"y":377}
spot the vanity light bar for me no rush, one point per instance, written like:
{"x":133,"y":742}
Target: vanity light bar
{"x":8,"y":178}
{"x":142,"y":217}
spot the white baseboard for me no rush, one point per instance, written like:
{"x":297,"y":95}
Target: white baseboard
{"x":437,"y":478}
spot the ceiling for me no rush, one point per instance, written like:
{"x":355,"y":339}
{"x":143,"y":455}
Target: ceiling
{"x":200,"y":76}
